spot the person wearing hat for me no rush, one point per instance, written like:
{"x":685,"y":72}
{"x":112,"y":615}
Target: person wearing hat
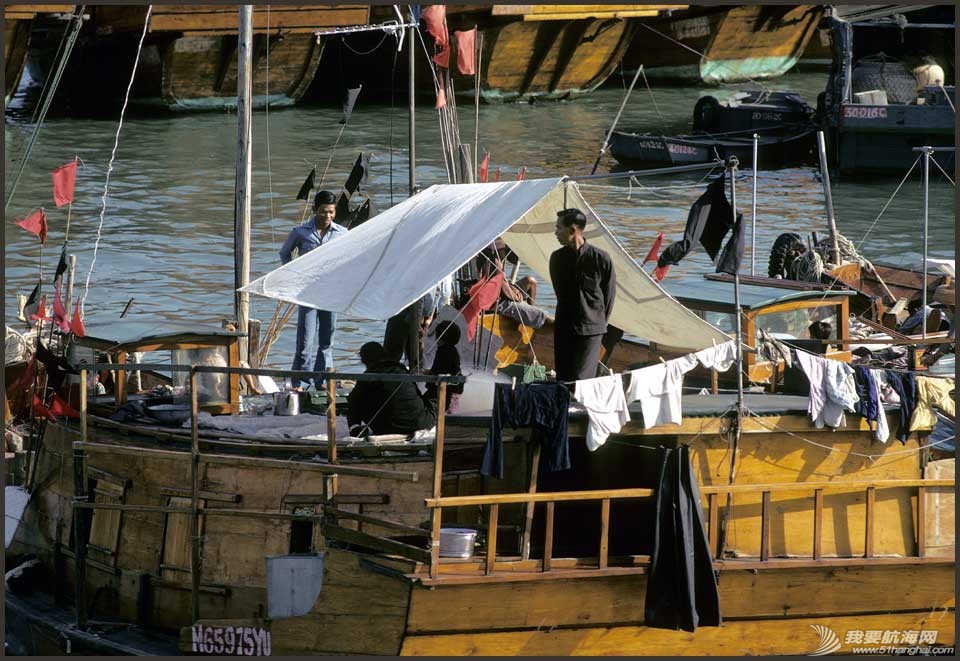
{"x":446,"y":361}
{"x":314,"y":347}
{"x":386,"y":407}
{"x":585,"y":284}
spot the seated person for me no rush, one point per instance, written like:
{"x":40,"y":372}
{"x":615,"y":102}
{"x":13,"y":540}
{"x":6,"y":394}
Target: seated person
{"x":377,"y":407}
{"x":446,"y":361}
{"x":517,"y":300}
{"x":821,"y":330}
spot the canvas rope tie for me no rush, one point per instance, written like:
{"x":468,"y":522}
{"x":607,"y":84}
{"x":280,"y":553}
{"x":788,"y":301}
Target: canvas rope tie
{"x":113,"y":156}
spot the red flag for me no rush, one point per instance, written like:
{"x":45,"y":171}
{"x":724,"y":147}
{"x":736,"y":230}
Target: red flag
{"x":496,"y":175}
{"x":521,"y":174}
{"x":466,"y":42}
{"x":60,"y":312}
{"x":660,"y":272}
{"x":41,"y":313}
{"x":41,"y":411}
{"x":481,"y":296}
{"x":59,"y":407}
{"x":435,"y":16}
{"x":76,"y":324}
{"x":35,"y":223}
{"x":441,"y":99}
{"x":26,"y":379}
{"x":484,"y":167}
{"x":652,"y":255}
{"x":64,"y":181}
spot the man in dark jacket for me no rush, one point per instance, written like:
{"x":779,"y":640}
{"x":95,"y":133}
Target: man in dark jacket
{"x":585,"y":283}
{"x":384,"y":407}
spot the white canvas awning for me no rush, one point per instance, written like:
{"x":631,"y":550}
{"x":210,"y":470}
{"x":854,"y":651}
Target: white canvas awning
{"x":387,"y":263}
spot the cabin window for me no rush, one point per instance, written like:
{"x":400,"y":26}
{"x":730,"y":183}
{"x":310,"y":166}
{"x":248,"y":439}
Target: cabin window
{"x":795,"y":324}
{"x":177,"y":543}
{"x":722,"y":320}
{"x":301,"y":532}
{"x":105,"y":524}
{"x":211,"y":388}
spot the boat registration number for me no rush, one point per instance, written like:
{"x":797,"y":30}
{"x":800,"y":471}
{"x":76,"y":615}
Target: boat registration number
{"x":864,"y":112}
{"x":233,"y":641}
{"x":682,"y":149}
{"x":650,"y":144}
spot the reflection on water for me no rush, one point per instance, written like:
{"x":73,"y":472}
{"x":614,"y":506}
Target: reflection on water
{"x":167,"y":236}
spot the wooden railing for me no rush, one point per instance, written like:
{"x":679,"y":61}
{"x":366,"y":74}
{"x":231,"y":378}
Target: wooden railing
{"x":495,"y":501}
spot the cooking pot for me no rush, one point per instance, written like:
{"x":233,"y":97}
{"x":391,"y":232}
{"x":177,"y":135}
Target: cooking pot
{"x":286,"y":402}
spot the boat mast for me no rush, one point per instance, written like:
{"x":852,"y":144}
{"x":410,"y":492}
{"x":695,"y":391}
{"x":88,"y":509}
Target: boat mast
{"x":244,"y":174}
{"x":411,"y":88}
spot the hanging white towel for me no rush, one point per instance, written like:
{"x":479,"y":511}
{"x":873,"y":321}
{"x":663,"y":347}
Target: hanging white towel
{"x":832,"y":389}
{"x":882,"y":432}
{"x":606,"y":406}
{"x":719,"y":357}
{"x":659,"y":389}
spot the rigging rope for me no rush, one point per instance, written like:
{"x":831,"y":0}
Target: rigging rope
{"x":113,"y":155}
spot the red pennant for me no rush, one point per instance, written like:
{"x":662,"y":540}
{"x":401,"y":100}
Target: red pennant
{"x":41,"y":411}
{"x":76,"y":324}
{"x":435,"y":16}
{"x":60,"y":312}
{"x":660,"y":272}
{"x":496,"y":175}
{"x":441,"y":99}
{"x":59,"y":407}
{"x":484,"y":167}
{"x":41,"y":313}
{"x":652,"y":255}
{"x":64,"y":181}
{"x":466,"y":43}
{"x":521,"y":174}
{"x":35,"y":223}
{"x":481,"y":296}
{"x":26,"y":379}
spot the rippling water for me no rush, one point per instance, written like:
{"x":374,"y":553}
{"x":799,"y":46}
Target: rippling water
{"x":167,"y":234}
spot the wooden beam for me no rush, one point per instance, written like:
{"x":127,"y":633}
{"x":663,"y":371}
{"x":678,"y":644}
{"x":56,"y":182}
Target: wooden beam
{"x":194,"y":500}
{"x":331,"y":420}
{"x":868,"y":527}
{"x":604,"y":532}
{"x":921,"y":523}
{"x":531,"y":488}
{"x":765,"y":527}
{"x":383,"y":523}
{"x":713,"y":504}
{"x":378,"y":543}
{"x":548,"y":539}
{"x":204,"y":494}
{"x":556,"y":496}
{"x":492,"y":537}
{"x":437,"y":514}
{"x":852,"y":485}
{"x":817,"y":523}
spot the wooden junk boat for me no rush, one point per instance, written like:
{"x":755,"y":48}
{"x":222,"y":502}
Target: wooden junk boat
{"x":717,"y":45}
{"x":189,"y":55}
{"x":529,"y":51}
{"x":334,"y":547}
{"x":18,"y":23}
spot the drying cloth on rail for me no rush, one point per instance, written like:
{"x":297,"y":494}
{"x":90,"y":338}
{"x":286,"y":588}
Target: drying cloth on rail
{"x":303,"y":426}
{"x":542,"y":406}
{"x":369,"y":272}
{"x":905,"y":385}
{"x":682,"y":589}
{"x":606,"y":405}
{"x":931,"y":394}
{"x":660,"y":390}
{"x":832,"y":389}
{"x":720,"y":357}
{"x":868,"y":404}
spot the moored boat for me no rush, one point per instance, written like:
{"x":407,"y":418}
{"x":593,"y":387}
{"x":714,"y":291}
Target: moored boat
{"x":17,"y":25}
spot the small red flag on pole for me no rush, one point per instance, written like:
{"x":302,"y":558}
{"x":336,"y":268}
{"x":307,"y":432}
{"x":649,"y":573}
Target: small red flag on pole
{"x":496,"y":175}
{"x":76,"y":324}
{"x":522,"y":173}
{"x":652,"y":255}
{"x":466,"y":62}
{"x":60,"y":312}
{"x":41,"y":313}
{"x":59,"y":407}
{"x":484,"y":167}
{"x":660,"y":272}
{"x":35,"y":223}
{"x":64,"y":181}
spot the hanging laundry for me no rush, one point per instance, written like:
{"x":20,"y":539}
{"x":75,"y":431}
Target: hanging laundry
{"x":732,"y":256}
{"x":480,"y":297}
{"x":466,"y":45}
{"x":832,"y":389}
{"x":682,"y":587}
{"x":660,"y":389}
{"x":64,"y":181}
{"x":719,"y":357}
{"x":883,"y":428}
{"x":35,"y":223}
{"x":543,"y":406}
{"x":905,"y":385}
{"x":868,"y":404}
{"x":709,"y":220}
{"x":606,"y":406}
{"x":932,"y":393}
{"x":654,"y":249}
{"x":772,"y":349}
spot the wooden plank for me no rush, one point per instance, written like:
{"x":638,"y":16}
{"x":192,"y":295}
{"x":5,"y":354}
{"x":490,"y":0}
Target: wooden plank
{"x":557,"y":496}
{"x":492,"y":537}
{"x":817,"y":523}
{"x":383,"y":523}
{"x":528,"y":514}
{"x":868,"y":528}
{"x":850,"y":485}
{"x":377,"y":543}
{"x":714,"y":523}
{"x":921,"y":522}
{"x":604,"y":532}
{"x":765,"y":527}
{"x":548,"y":539}
{"x":436,"y":524}
{"x":204,"y":494}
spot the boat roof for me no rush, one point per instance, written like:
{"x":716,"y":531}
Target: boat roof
{"x":138,"y":330}
{"x":752,"y":297}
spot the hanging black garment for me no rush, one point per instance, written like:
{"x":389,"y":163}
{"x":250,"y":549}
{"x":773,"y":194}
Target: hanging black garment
{"x":682,"y":588}
{"x":543,"y":406}
{"x":57,"y":368}
{"x":905,"y":385}
{"x":709,"y":220}
{"x":732,"y":256}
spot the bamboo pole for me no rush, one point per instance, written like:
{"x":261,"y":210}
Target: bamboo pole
{"x":828,"y":199}
{"x":244,"y":179}
{"x":194,"y":501}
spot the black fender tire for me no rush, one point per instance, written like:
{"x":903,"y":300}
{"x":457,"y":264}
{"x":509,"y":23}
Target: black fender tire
{"x":785,"y":244}
{"x":706,"y":114}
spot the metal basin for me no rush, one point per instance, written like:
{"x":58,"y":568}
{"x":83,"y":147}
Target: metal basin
{"x":169,"y":414}
{"x":457,"y":542}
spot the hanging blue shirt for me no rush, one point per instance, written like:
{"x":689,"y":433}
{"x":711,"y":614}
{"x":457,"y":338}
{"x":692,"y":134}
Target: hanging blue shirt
{"x":306,"y":237}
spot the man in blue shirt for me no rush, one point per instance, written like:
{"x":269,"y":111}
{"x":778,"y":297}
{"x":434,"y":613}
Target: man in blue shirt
{"x":314,"y":327}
